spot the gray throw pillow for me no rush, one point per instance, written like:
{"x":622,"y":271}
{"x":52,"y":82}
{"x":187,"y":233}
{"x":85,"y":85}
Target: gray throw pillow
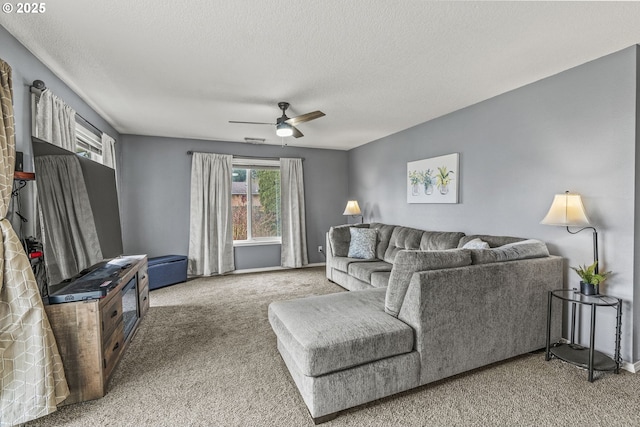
{"x":363,"y":243}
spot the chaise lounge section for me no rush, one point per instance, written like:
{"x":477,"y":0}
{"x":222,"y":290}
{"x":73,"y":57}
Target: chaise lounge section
{"x":443,"y":312}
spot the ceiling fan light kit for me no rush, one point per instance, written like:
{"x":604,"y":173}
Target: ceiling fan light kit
{"x":285,"y":126}
{"x":284,"y":129}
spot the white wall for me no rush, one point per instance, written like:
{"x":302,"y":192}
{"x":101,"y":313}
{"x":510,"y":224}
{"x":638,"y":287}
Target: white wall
{"x":573,"y":131}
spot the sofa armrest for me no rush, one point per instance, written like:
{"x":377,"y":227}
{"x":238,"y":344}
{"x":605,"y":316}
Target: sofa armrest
{"x":468,"y":317}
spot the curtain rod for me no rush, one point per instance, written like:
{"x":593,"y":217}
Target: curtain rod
{"x":189,"y":153}
{"x":38,"y":87}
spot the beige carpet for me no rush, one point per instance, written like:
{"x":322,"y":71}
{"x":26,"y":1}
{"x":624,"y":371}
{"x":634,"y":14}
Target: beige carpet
{"x":205,"y":355}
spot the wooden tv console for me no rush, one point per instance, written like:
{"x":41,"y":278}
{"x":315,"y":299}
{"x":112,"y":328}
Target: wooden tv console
{"x":91,"y":334}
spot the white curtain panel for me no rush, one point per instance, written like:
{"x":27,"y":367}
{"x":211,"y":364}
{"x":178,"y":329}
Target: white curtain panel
{"x":69,"y":235}
{"x":108,"y":151}
{"x":55,"y":121}
{"x":32,"y":380}
{"x":211,"y":221}
{"x":294,"y":231}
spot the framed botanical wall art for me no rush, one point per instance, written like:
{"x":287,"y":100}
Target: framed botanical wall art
{"x":433,"y":180}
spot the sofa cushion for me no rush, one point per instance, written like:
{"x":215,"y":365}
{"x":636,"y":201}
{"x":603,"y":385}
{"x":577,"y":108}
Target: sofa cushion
{"x":409,"y":262}
{"x":380,"y":279}
{"x":402,"y":238}
{"x":384,"y":235}
{"x":332,"y":332}
{"x":339,"y":238}
{"x":439,"y":240}
{"x":513,"y":251}
{"x":342,"y":263}
{"x":493,"y":241}
{"x":363,"y":270}
{"x":363,"y":243}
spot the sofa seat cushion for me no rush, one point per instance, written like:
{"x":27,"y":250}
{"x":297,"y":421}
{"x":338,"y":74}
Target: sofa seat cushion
{"x":342,"y":263}
{"x":380,"y":279}
{"x":333,"y":332}
{"x":363,"y":270}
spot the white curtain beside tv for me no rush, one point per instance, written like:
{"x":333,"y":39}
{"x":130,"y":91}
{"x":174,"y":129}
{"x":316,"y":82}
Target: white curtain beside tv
{"x":211,"y":220}
{"x":294,"y":233}
{"x":55,"y":121}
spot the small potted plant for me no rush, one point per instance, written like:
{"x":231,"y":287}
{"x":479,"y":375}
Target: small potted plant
{"x":590,"y":279}
{"x":443,"y":179}
{"x":428,"y":180}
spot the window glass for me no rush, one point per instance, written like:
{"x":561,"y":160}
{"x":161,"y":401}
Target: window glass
{"x":255,"y":202}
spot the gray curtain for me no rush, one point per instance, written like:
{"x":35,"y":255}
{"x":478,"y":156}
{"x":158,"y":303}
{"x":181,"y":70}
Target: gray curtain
{"x":55,"y":121}
{"x":294,"y":231}
{"x":211,"y":221}
{"x":32,"y":380}
{"x":69,"y":236}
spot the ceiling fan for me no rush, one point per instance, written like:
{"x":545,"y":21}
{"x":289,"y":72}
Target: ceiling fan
{"x":286,"y":126}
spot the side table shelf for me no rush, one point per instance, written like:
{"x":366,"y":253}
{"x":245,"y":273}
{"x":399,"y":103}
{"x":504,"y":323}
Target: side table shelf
{"x":585,"y":357}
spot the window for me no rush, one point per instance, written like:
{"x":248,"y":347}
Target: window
{"x":255,"y":201}
{"x":88,"y":144}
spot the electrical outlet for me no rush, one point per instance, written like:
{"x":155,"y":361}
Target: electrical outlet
{"x":320,"y":249}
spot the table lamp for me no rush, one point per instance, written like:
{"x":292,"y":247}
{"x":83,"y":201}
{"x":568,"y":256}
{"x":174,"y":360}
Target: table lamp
{"x":353,"y":209}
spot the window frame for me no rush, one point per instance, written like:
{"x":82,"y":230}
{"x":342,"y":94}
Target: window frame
{"x":253,"y":164}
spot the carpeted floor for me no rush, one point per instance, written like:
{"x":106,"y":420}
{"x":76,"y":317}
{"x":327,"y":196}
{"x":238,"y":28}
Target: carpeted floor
{"x":205,"y":355}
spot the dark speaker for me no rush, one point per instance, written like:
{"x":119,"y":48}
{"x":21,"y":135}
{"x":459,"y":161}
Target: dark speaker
{"x":19,"y":165}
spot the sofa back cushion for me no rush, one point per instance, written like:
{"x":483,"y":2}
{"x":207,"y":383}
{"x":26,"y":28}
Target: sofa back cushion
{"x":407,"y":262}
{"x":384,"y":235}
{"x":440,"y":240}
{"x":524,"y":249}
{"x":340,"y":237}
{"x":402,"y":238}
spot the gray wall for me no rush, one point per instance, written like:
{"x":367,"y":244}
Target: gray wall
{"x":572,"y":131}
{"x":25,"y":69}
{"x":155,"y":184}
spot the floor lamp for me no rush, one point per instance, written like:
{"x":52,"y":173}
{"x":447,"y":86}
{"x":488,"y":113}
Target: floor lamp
{"x":353,"y":209}
{"x":567,"y":210}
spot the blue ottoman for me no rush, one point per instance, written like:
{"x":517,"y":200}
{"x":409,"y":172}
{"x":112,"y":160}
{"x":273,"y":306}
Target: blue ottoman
{"x":167,"y":270}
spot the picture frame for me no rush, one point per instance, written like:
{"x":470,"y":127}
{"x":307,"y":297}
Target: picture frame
{"x":433,"y":180}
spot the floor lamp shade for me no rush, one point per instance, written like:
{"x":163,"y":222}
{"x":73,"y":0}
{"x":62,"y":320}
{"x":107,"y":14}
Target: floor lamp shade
{"x":567,"y":210}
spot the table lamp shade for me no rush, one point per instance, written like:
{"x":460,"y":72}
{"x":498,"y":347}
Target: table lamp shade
{"x":566,"y":210}
{"x":352,"y":208}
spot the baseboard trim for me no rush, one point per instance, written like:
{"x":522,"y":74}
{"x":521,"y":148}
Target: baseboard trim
{"x":277,"y":268}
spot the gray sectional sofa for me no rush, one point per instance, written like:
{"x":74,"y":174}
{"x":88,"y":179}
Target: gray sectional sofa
{"x":426,"y":306}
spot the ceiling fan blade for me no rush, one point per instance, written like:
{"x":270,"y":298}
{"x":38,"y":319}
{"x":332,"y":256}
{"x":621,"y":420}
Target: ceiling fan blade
{"x":296,"y":132}
{"x":305,"y":117}
{"x":252,"y":123}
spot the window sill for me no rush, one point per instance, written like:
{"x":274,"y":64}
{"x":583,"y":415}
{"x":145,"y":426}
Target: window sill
{"x":256,"y":243}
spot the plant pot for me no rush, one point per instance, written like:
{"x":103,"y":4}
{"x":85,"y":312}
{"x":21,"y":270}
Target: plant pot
{"x":588,"y":288}
{"x":428,"y":189}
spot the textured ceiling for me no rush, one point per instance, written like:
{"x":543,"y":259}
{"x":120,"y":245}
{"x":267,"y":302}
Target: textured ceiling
{"x":185,"y":68}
